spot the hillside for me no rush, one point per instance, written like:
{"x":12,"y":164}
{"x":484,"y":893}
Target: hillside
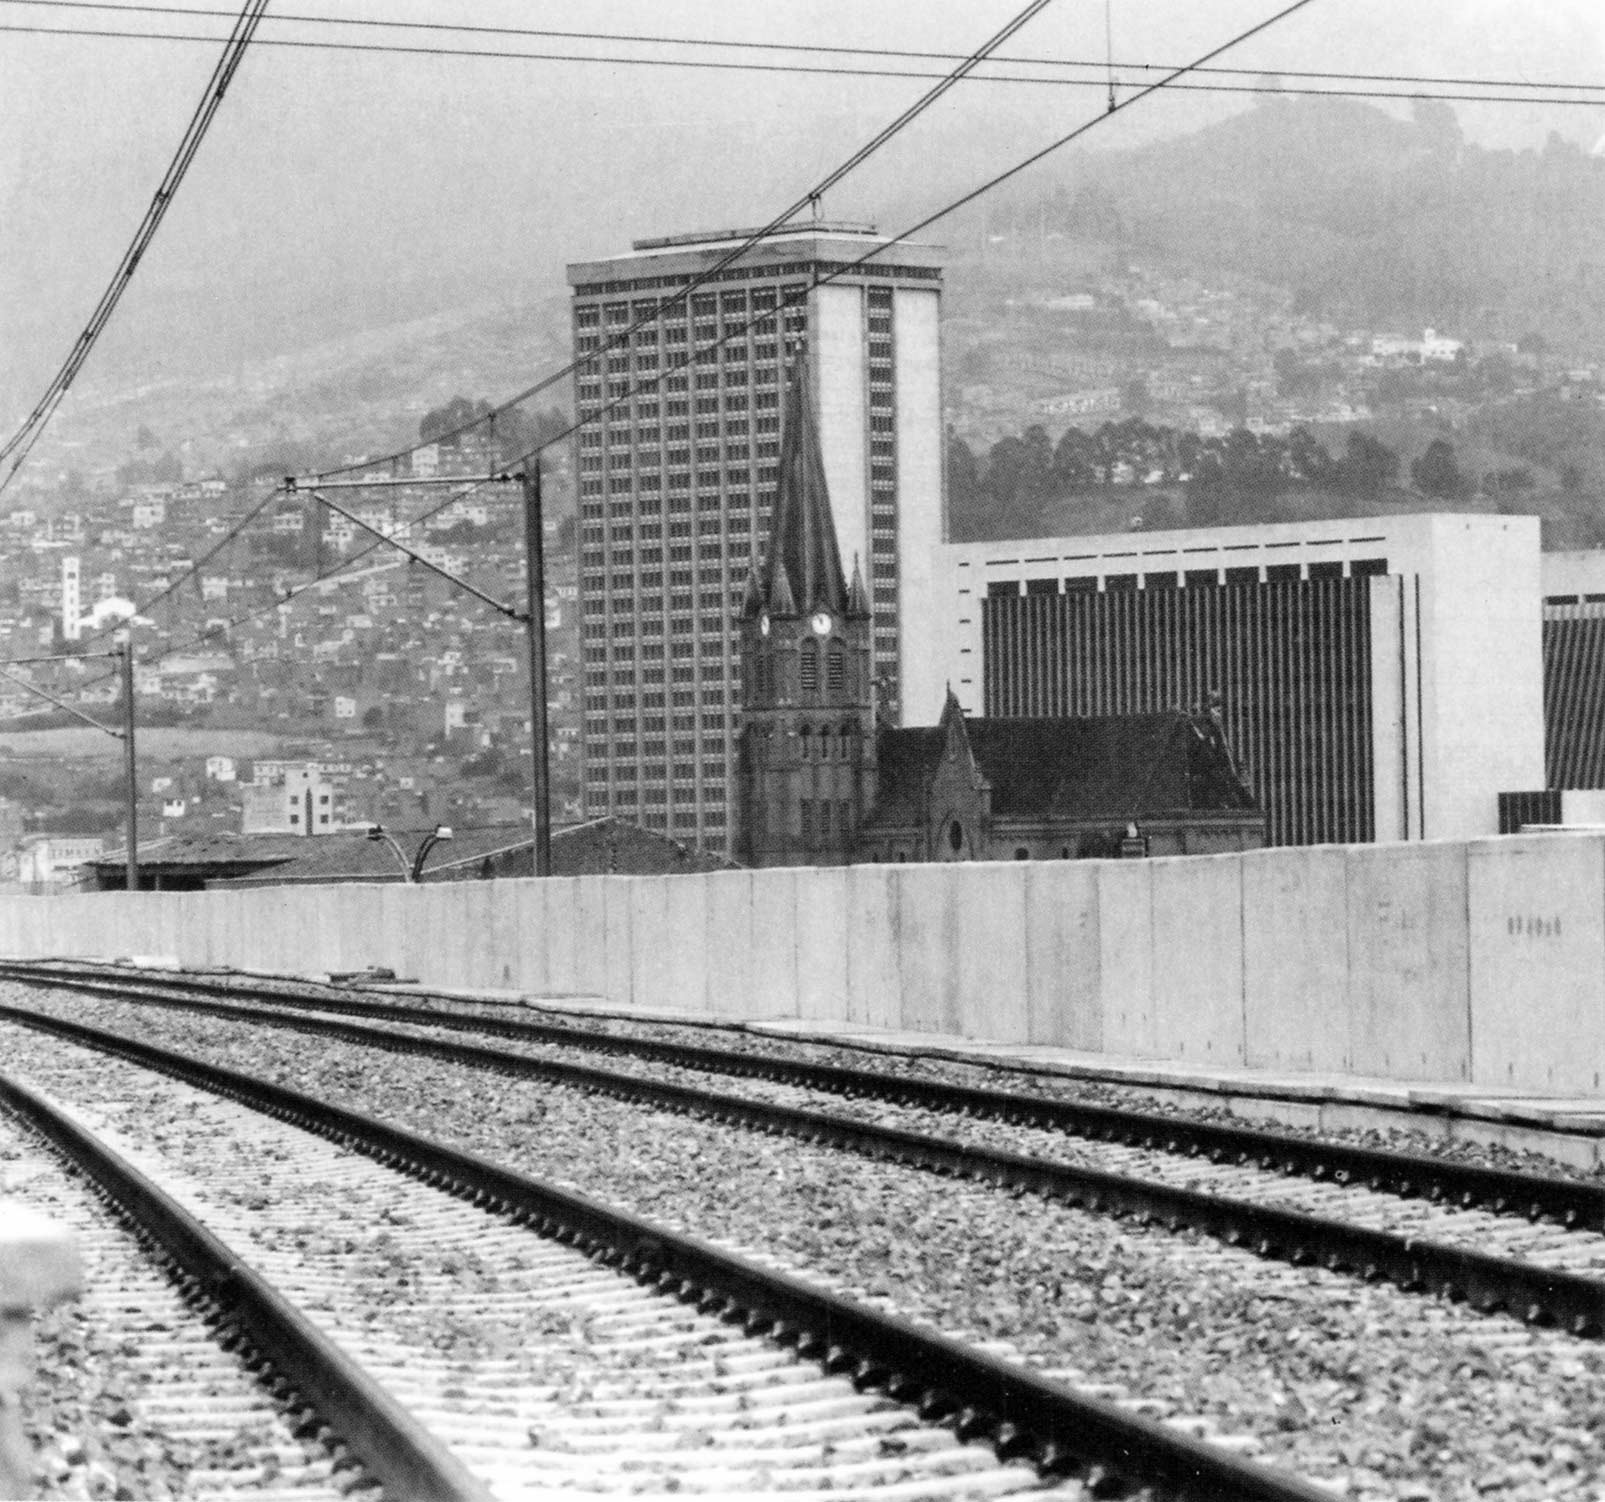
{"x":1366,"y":218}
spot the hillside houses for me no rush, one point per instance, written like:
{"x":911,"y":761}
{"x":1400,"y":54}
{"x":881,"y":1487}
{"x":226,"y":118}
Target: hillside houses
{"x":272,"y":633}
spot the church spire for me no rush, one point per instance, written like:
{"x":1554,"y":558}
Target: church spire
{"x":781,"y":601}
{"x":857,"y":595}
{"x":752,"y":600}
{"x":803,"y":552}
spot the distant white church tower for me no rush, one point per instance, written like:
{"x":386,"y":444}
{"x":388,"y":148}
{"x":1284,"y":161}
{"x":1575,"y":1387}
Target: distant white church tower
{"x":72,"y":600}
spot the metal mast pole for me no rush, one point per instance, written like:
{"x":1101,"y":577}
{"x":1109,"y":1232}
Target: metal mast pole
{"x":535,"y":623}
{"x":131,"y":875}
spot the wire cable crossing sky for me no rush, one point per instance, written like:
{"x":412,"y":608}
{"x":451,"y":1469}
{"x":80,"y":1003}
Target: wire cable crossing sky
{"x":222,"y":75}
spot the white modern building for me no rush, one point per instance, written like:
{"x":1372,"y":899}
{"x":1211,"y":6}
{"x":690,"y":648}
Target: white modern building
{"x":54,"y":860}
{"x":1379,"y":678}
{"x":289,"y":799}
{"x":676,"y":467}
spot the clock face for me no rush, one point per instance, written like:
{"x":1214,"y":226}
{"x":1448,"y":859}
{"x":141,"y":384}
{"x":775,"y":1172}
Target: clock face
{"x":821,"y":622}
{"x":763,"y":624}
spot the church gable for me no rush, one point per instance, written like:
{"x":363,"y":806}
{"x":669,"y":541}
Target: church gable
{"x":959,"y":797}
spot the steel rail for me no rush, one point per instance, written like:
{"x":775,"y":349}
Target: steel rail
{"x":1489,"y":1283}
{"x":260,"y":1322}
{"x":1019,"y":1413}
{"x":1575,"y":1203}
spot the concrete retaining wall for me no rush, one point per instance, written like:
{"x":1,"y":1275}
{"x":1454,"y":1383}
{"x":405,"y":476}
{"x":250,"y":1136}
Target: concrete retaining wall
{"x":1446,"y":961}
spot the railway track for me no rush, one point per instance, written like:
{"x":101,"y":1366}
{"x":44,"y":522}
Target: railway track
{"x":516,"y":1339}
{"x":1568,"y":1201}
{"x":1498,"y":1240}
{"x":138,"y":1394}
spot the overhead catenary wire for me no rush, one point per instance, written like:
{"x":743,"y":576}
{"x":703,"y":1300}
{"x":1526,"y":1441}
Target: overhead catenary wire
{"x":729,"y":258}
{"x":1094,"y":66}
{"x":970,"y":196}
{"x":61,"y":704}
{"x":16,"y":448}
{"x":886,"y":244}
{"x":173,"y":586}
{"x":391,"y":537}
{"x":1405,"y":93}
{"x":793,"y":299}
{"x":887,"y":133}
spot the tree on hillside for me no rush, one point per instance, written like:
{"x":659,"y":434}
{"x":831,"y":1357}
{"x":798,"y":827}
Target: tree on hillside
{"x":966,"y":505}
{"x":1517,"y":480}
{"x":1075,"y":462}
{"x":1437,"y":472}
{"x":457,"y":413}
{"x":1019,"y":480}
{"x":1367,"y":465}
{"x":1308,"y":461}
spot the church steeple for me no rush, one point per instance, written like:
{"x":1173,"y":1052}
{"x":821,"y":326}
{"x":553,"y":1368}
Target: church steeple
{"x":803,"y":551}
{"x":807,"y":774}
{"x":857,"y":595}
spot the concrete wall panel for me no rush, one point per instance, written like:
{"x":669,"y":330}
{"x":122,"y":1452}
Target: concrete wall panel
{"x":727,"y":943}
{"x":591,"y":935}
{"x":684,"y":962}
{"x":556,"y":935}
{"x":447,"y":925}
{"x":1537,"y":962}
{"x":822,"y":944}
{"x":504,"y":961}
{"x":927,"y":949}
{"x":1125,"y":957}
{"x":991,"y":968}
{"x":1409,"y":1012}
{"x":874,"y":981}
{"x":650,"y":940}
{"x":618,"y":928}
{"x":1197,"y":978}
{"x":1296,"y":958}
{"x":197,"y":938}
{"x":521,"y":917}
{"x":364,"y":940}
{"x":395,"y":914}
{"x":774,"y":941}
{"x":1063,"y":981}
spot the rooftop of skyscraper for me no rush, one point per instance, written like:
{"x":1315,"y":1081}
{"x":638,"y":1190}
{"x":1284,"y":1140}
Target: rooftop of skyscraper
{"x":737,"y":236}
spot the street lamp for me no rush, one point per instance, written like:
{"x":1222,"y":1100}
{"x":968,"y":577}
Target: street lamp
{"x":411,"y":871}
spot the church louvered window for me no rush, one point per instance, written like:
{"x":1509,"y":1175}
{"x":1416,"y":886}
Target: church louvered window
{"x":834,"y":667}
{"x":810,"y":668}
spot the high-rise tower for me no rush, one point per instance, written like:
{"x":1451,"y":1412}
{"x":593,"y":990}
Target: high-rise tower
{"x":807,"y":745}
{"x":677,"y":477}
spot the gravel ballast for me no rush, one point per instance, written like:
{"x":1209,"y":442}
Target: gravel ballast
{"x":894,"y":1062}
{"x":1390,"y":1395}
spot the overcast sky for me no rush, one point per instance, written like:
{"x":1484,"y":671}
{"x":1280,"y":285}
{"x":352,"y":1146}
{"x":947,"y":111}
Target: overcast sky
{"x":329,"y":177}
